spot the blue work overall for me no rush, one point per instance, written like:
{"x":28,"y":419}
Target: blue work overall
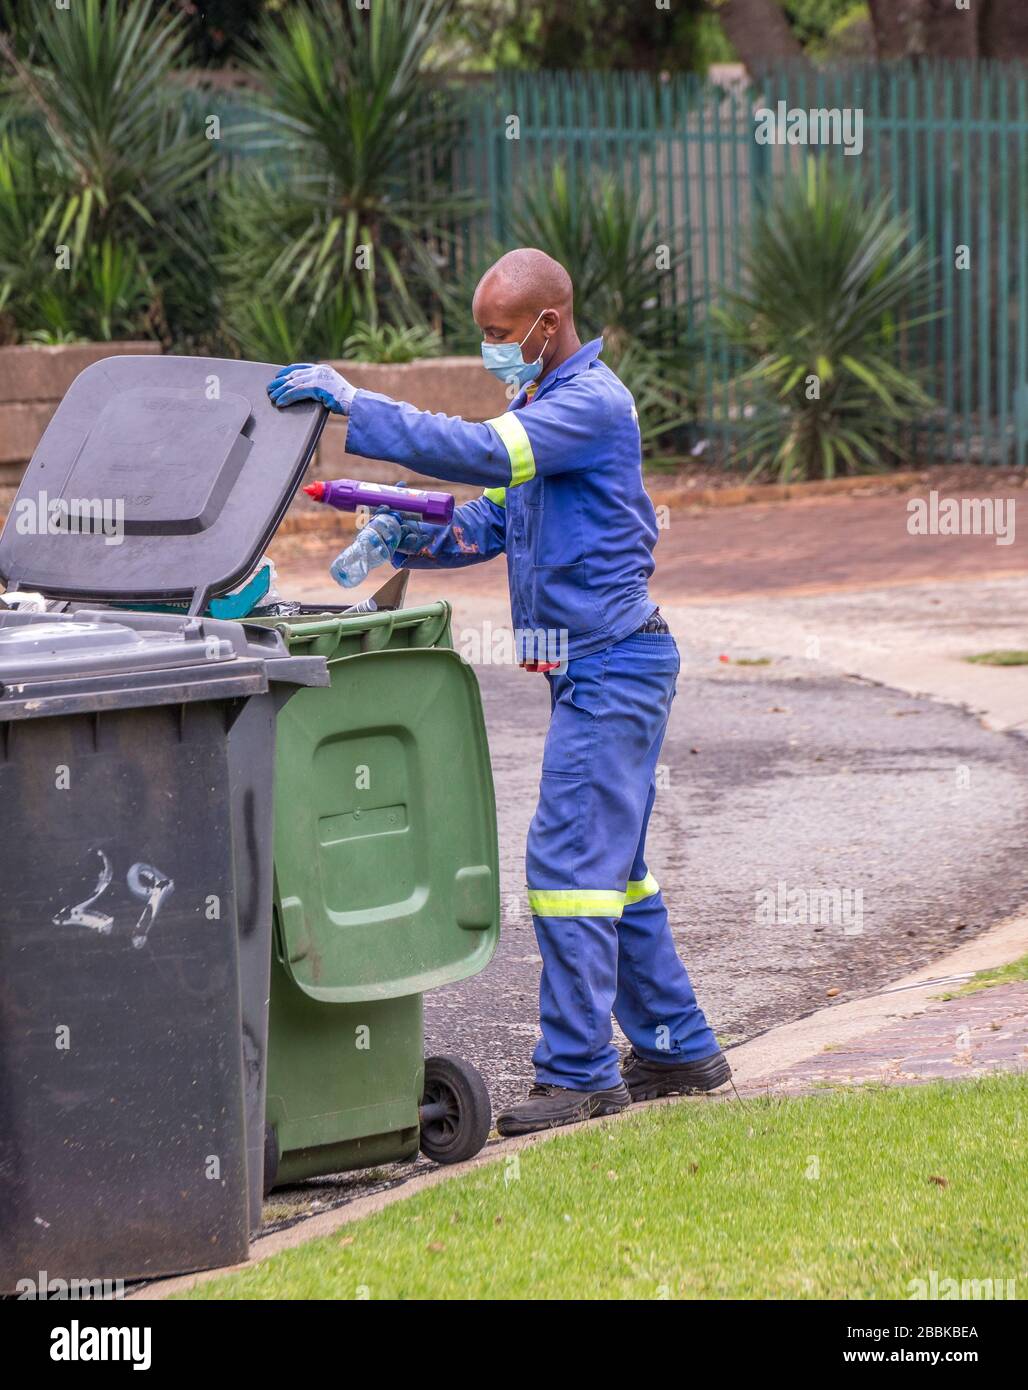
{"x":564,"y":500}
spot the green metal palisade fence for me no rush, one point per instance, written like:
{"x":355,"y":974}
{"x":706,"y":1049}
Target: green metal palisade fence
{"x":947,"y":142}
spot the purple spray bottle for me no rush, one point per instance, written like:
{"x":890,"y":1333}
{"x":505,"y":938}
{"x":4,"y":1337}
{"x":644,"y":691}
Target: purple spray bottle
{"x":347,"y":494}
{"x":378,"y":541}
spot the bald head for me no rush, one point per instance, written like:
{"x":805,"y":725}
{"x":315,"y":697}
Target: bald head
{"x":527,"y":297}
{"x":528,"y":279}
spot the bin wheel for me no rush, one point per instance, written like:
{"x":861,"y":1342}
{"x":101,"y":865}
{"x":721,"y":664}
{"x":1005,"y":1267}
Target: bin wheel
{"x":456,"y":1113}
{"x":270,"y":1158}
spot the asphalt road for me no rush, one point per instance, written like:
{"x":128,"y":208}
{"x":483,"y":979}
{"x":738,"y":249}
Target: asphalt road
{"x":775,"y":774}
{"x":790,"y":773}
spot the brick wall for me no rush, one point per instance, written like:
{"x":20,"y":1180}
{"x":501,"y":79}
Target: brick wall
{"x":32,"y":382}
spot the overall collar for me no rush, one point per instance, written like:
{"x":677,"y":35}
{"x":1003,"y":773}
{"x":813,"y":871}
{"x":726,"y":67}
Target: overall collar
{"x":579,"y":361}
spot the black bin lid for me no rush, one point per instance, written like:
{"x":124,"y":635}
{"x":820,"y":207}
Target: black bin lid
{"x":59,"y":665}
{"x":158,"y":480}
{"x":104,"y":659}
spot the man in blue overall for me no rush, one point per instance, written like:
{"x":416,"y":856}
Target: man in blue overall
{"x":564,"y":499}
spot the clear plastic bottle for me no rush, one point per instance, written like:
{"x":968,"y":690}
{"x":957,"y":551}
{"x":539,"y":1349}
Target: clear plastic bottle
{"x":374,"y":545}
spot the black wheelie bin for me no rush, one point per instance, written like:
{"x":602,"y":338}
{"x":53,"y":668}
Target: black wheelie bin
{"x":386,"y":872}
{"x":136,"y":775}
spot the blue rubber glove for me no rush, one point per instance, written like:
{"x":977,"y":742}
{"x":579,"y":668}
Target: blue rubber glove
{"x":413,"y":536}
{"x":307,"y":381}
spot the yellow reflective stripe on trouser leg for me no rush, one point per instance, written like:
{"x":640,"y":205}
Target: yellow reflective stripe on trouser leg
{"x":518,"y":445}
{"x":575,"y":902}
{"x":640,"y":888}
{"x":497,"y":495}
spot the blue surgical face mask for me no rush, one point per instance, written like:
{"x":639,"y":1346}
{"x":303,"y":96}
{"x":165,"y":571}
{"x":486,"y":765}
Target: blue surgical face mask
{"x":506,"y":362}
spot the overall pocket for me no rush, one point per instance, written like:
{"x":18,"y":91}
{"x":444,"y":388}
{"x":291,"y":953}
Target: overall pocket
{"x":562,"y":597}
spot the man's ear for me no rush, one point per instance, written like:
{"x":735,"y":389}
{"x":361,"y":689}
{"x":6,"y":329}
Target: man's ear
{"x":550,"y":322}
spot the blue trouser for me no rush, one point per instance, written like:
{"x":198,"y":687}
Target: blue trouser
{"x":599,"y":916}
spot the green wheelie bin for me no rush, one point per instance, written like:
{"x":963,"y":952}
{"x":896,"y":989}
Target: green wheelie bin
{"x":386,"y":885}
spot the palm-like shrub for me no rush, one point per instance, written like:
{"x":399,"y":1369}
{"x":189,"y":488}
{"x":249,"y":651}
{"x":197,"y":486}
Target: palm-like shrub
{"x":834,"y":288}
{"x":109,"y":294}
{"x":386,"y":342}
{"x":29,"y":214}
{"x":256,"y":222}
{"x":105,"y":157}
{"x":102,"y":290}
{"x":354,"y":138}
{"x":608,"y":243}
{"x":624,"y":290}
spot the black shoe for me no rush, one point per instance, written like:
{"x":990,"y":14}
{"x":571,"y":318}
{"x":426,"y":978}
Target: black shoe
{"x":547,"y":1107}
{"x":647,"y":1080}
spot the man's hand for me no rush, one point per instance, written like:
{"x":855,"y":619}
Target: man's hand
{"x":307,"y":381}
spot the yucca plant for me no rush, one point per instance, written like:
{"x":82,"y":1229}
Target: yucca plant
{"x":386,"y":342}
{"x":608,"y":242}
{"x":30,"y":209}
{"x":624,"y":285}
{"x":835,"y":285}
{"x":278,"y":332}
{"x":106,"y":295}
{"x":115,"y":288}
{"x":100,"y":87}
{"x":355,"y":139}
{"x":17,"y":24}
{"x":258,"y":319}
{"x":53,"y":337}
{"x":121,"y":151}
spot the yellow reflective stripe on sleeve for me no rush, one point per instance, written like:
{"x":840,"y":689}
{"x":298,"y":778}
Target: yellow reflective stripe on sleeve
{"x":575,"y":902}
{"x":518,"y":445}
{"x":497,"y":495}
{"x":641,"y":888}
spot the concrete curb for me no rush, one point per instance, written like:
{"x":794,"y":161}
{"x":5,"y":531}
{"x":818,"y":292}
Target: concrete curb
{"x":764,"y":1056}
{"x":794,"y":1042}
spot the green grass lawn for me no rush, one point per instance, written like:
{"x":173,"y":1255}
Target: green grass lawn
{"x":840,"y":1195}
{"x":1014,"y":973}
{"x":1000,"y":658}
